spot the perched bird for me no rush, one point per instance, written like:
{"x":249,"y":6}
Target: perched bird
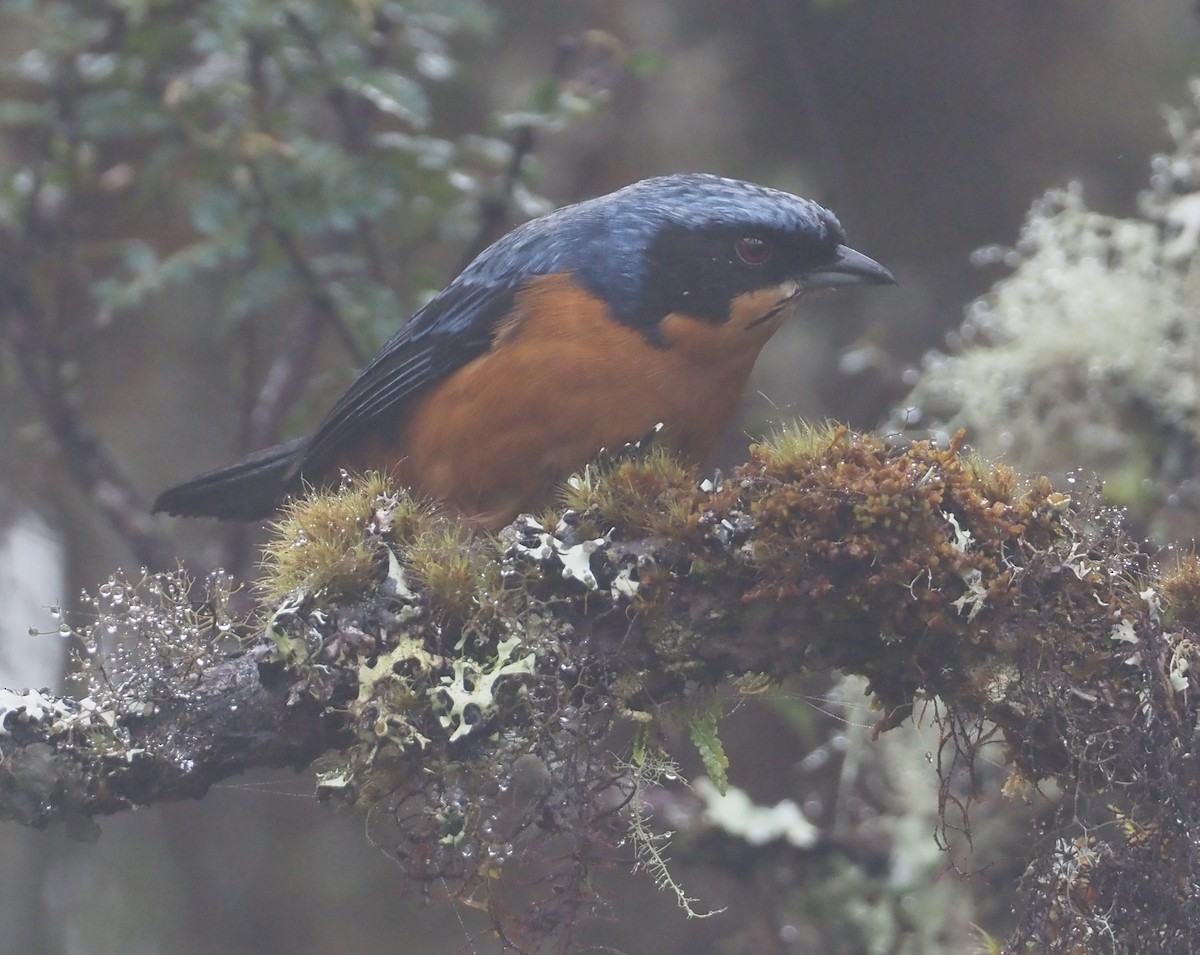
{"x":577,"y":331}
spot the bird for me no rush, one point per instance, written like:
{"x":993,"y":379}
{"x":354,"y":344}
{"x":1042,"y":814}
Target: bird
{"x":581,"y":330}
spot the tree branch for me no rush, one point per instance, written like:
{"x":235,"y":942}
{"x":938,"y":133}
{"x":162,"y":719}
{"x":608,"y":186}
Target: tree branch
{"x":451,"y":672}
{"x":89,"y":462}
{"x":586,"y":68}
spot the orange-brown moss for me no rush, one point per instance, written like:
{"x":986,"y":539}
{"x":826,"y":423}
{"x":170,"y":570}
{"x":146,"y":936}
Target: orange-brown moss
{"x":898,"y":560}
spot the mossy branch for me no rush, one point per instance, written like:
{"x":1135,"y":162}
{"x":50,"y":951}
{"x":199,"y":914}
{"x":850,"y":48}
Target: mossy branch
{"x":468,"y":686}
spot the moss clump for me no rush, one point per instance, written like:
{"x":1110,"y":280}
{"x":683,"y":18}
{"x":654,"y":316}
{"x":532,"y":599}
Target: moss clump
{"x":1180,"y":587}
{"x":1004,"y":605}
{"x":460,"y":581}
{"x":330,"y":544}
{"x":907,"y":543}
{"x":652,"y":492}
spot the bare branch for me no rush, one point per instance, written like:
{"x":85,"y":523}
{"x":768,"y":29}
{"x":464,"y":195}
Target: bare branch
{"x":89,"y":462}
{"x":314,"y":286}
{"x":586,"y":67}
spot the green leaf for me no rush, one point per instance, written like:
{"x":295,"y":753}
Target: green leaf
{"x":258,"y":290}
{"x":15,"y":112}
{"x":641,"y":745}
{"x":151,"y":274}
{"x":394,"y":94}
{"x":369,"y":305}
{"x":644,"y":62}
{"x":702,"y":726}
{"x":113,"y":114}
{"x":216,"y":210}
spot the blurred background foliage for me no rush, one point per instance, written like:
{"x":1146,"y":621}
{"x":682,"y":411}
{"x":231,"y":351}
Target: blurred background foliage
{"x":211,"y":211}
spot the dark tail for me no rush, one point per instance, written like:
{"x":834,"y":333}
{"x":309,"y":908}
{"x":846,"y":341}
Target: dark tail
{"x":250,"y":490}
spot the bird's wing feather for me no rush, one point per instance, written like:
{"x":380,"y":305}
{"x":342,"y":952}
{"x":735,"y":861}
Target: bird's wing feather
{"x":454,"y":328}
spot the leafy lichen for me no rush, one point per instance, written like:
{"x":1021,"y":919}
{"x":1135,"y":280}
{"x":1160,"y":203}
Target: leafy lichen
{"x":1085,"y":352}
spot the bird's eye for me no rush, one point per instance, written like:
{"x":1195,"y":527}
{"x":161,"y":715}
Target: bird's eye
{"x":753,"y":250}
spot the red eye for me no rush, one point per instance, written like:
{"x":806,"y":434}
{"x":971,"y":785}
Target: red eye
{"x":752,"y":250}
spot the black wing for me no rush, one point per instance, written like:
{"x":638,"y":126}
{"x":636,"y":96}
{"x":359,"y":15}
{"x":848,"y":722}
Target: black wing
{"x":451,"y":330}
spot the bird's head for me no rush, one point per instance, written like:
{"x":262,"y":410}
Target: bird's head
{"x":715,"y":250}
{"x":721,"y":250}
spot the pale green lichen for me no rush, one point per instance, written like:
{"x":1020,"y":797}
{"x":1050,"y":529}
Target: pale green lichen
{"x":30,"y":706}
{"x":1056,"y":358}
{"x":388,"y":695}
{"x":734,"y":812}
{"x":1087,"y":354}
{"x":468,"y":696}
{"x":650,"y":845}
{"x":290,"y":648}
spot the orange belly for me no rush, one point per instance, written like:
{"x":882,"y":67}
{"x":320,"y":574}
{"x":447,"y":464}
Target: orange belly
{"x":562,"y":381}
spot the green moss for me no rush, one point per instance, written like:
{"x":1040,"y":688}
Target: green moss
{"x":460,"y":580}
{"x":702,"y":717}
{"x":329,"y":544}
{"x":651,"y":492}
{"x":1180,"y":588}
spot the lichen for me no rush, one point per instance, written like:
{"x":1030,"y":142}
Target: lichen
{"x":474,"y":684}
{"x":1084,"y":354}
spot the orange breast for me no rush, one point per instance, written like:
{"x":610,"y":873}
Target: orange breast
{"x":563,"y":381}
